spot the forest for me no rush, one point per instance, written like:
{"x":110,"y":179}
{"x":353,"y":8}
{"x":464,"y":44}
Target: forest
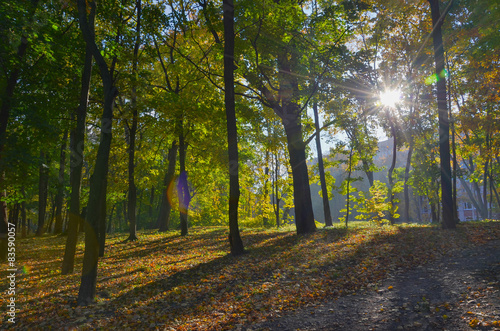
{"x":198,"y":132}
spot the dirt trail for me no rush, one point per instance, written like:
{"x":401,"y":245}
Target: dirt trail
{"x":458,"y":292}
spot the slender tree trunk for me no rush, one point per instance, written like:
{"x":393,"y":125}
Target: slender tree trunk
{"x":48,"y":228}
{"x":182,"y":184}
{"x":407,"y":177}
{"x":165,"y":206}
{"x":77,"y":141}
{"x":98,"y":183}
{"x":235,"y":241}
{"x":132,"y":189}
{"x":60,"y":188}
{"x":444,"y":125}
{"x":276,"y":199}
{"x":389,"y":175}
{"x":321,"y":168}
{"x":110,"y":219}
{"x":42,"y":193}
{"x":349,"y":172}
{"x":151,"y":202}
{"x":485,"y":190}
{"x":454,"y":153}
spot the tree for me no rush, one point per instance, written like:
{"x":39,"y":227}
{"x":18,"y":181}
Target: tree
{"x":96,"y":210}
{"x":132,"y":131}
{"x":321,"y":168}
{"x":163,"y":220}
{"x":444,"y":125}
{"x":77,"y":142}
{"x":232,"y":133}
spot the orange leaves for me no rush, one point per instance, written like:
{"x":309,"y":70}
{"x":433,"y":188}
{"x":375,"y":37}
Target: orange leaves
{"x":167,"y":282}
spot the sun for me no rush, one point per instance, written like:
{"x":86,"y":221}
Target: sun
{"x":390,"y":98}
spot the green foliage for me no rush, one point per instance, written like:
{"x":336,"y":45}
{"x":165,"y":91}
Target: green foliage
{"x":375,"y":206}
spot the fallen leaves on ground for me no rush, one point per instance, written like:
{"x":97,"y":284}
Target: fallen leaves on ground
{"x":165,"y":281}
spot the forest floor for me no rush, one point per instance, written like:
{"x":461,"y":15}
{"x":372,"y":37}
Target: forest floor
{"x":458,"y":292}
{"x":385,"y":278}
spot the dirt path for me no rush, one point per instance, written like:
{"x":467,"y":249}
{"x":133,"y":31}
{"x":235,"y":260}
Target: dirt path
{"x":454,"y":293}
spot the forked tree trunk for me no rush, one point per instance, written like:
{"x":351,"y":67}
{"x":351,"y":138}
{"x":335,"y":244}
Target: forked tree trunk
{"x":321,"y":168}
{"x":77,"y":141}
{"x":96,"y":208}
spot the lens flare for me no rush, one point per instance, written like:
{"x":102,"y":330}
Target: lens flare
{"x":390,"y":98}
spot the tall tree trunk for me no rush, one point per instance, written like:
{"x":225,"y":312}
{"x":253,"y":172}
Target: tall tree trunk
{"x":43,"y":184}
{"x":235,"y":241}
{"x":444,"y":125}
{"x":389,"y":175}
{"x":132,"y":189}
{"x":165,"y":206}
{"x":77,"y":141}
{"x":182,"y":183}
{"x":98,"y":183}
{"x":276,"y":198}
{"x":60,"y":187}
{"x":321,"y":168}
{"x":453,"y":149}
{"x":406,"y":190}
{"x":347,"y":197}
{"x":110,"y":219}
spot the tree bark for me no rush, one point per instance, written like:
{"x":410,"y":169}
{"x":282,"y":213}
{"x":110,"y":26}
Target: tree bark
{"x":98,"y":183}
{"x":77,"y":141}
{"x":132,"y":189}
{"x":389,"y":175}
{"x":165,"y":206}
{"x":406,"y":190}
{"x":42,"y":193}
{"x":60,"y":187}
{"x":151,"y":201}
{"x":235,"y":241}
{"x":321,"y":168}
{"x":347,"y":197}
{"x":444,"y":125}
{"x":182,"y":183}
{"x":304,"y":217}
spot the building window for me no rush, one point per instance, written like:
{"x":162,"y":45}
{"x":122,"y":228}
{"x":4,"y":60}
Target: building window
{"x":467,"y":206}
